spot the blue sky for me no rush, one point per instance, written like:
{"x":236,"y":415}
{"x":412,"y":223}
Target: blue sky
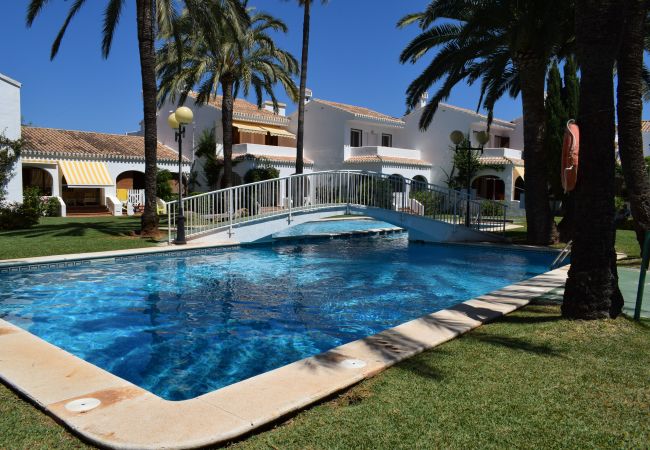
{"x":353,"y":59}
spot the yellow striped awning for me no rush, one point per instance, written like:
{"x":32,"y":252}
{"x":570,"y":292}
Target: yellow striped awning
{"x":275,"y":131}
{"x":249,"y":128}
{"x":85,"y":173}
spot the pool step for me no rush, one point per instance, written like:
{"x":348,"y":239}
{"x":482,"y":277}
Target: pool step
{"x":357,"y":233}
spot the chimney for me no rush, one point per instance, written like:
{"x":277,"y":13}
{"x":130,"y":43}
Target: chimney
{"x":282,"y":107}
{"x":308,"y":95}
{"x":424,"y":99}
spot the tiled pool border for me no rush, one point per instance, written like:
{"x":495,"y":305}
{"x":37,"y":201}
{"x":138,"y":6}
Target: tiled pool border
{"x":130,"y":417}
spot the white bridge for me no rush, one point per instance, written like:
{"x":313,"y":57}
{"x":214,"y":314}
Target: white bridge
{"x":254,"y":212}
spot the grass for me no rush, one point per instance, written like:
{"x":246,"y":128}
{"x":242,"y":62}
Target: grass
{"x":625,"y":240}
{"x":63,"y":235}
{"x":529,"y":380}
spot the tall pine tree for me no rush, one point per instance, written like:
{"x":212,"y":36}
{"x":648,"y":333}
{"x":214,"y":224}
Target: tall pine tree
{"x":555,"y":121}
{"x":571,"y":90}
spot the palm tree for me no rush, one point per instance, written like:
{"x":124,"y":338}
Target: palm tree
{"x":150,"y":15}
{"x":629,"y":70}
{"x":592,"y":286}
{"x":300,"y":136}
{"x":506,"y":44}
{"x":237,"y":58}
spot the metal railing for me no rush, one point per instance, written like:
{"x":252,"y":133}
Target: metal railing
{"x":232,"y":207}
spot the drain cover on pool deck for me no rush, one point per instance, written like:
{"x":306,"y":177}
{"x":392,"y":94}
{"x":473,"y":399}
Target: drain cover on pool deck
{"x":352,"y":364}
{"x":82,"y":404}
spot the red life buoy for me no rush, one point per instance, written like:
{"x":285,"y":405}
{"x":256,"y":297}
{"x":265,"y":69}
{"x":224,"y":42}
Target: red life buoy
{"x":570,"y":154}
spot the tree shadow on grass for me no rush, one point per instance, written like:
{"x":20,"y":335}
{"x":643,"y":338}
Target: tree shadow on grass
{"x":73,"y":229}
{"x":513,"y":343}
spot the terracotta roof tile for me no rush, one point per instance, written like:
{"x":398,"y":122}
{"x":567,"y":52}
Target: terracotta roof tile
{"x":386,"y":159}
{"x":501,"y":160}
{"x":362,"y":112}
{"x":86,"y":144}
{"x":248,"y":111}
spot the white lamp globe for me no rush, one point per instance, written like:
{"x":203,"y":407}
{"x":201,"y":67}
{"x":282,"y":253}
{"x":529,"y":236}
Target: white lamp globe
{"x":184,"y":115}
{"x":482,"y":137}
{"x":172,"y":121}
{"x":457,"y":137}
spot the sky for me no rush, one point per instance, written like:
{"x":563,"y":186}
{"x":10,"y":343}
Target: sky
{"x":354,"y":58}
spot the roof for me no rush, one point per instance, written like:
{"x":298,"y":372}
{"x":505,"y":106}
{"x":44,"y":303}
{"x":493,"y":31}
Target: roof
{"x":88,"y":144}
{"x":362,"y":113}
{"x":508,"y":125}
{"x":5,"y":78}
{"x":271,"y":158}
{"x":645,"y":126}
{"x":247,"y":111}
{"x":501,"y":160}
{"x":386,"y":160}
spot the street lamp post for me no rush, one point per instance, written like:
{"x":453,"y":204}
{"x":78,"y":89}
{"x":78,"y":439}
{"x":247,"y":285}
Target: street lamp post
{"x":177,"y":121}
{"x":457,"y":137}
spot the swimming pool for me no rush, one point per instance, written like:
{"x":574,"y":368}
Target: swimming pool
{"x":185,"y":324}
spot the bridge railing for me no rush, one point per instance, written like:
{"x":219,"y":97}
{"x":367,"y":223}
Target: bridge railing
{"x":231,"y":207}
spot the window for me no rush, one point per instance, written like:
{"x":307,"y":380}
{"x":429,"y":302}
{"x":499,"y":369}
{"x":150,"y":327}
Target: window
{"x":386,"y":140}
{"x":356,"y":138}
{"x":502,"y":141}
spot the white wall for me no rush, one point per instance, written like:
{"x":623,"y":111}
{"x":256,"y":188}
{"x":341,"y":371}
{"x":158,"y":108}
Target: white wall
{"x":325,"y":135}
{"x":517,"y":136}
{"x":10,"y":127}
{"x":372,"y":132}
{"x":434,"y":143}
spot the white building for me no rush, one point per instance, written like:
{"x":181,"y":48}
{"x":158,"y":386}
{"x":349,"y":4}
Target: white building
{"x":504,"y":149}
{"x":87,"y":171}
{"x":10,"y":128}
{"x":341,"y":136}
{"x":261,"y":137}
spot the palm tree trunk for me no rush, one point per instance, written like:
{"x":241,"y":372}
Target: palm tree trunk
{"x":532,"y":74}
{"x":303,"y":87}
{"x":630,"y":108}
{"x":592,"y":286}
{"x":227,"y":107}
{"x":146,"y":39}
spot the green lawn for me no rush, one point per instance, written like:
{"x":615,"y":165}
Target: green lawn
{"x":529,"y":380}
{"x":625,"y":239}
{"x":61,"y":235}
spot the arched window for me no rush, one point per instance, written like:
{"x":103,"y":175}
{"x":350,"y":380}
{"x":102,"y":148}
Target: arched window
{"x":489,"y":187}
{"x":520,"y":188}
{"x":35,"y":177}
{"x":419,"y":183}
{"x":131,"y":179}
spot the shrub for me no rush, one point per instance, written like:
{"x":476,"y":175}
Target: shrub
{"x":51,"y":207}
{"x":17,"y":216}
{"x":261,"y":174}
{"x":491,"y":208}
{"x":163,"y":187}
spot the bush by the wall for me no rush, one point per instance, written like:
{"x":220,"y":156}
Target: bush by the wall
{"x":17,"y":216}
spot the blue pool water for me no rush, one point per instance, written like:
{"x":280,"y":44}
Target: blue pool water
{"x":333,"y":226}
{"x":185,"y":324}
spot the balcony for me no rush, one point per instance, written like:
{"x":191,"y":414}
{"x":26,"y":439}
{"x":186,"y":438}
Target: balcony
{"x":376,"y":150}
{"x":263,"y":150}
{"x":503,"y":152}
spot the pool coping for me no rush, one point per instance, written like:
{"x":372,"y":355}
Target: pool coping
{"x":130,"y":417}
